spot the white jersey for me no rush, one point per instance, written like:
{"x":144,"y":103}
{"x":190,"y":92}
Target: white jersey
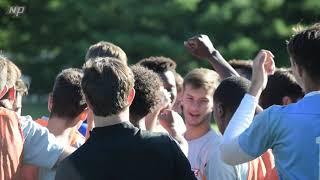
{"x":217,"y":169}
{"x":199,"y":151}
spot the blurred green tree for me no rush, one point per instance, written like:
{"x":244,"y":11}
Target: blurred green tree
{"x":51,"y":35}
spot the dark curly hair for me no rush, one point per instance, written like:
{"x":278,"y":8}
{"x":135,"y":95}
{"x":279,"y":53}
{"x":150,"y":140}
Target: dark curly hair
{"x":147,"y":86}
{"x":158,"y":64}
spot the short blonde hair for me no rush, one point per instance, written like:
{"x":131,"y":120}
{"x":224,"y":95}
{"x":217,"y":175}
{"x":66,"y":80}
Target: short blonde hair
{"x":106,"y":49}
{"x":9,"y":73}
{"x":202,"y":78}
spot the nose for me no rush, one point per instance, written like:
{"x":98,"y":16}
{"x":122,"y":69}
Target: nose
{"x":194,"y":106}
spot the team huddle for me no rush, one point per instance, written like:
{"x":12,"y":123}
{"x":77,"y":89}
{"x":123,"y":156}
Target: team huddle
{"x":144,"y":121}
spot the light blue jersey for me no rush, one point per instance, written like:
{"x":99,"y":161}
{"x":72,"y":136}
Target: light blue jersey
{"x":293,"y":133}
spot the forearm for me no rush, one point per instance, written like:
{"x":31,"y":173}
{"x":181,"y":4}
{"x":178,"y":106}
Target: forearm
{"x":151,"y":120}
{"x":239,"y":122}
{"x":221,"y":66}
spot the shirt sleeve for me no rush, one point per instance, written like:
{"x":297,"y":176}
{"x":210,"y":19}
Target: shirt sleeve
{"x":40,"y":146}
{"x":257,"y":139}
{"x":231,"y":152}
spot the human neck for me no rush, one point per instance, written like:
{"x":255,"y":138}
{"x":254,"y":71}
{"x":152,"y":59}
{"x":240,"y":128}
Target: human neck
{"x":310,"y":86}
{"x":58,"y":126}
{"x":195,"y":132}
{"x":308,"y":83}
{"x":101,"y":121}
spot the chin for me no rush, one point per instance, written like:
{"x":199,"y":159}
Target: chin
{"x":194,"y":123}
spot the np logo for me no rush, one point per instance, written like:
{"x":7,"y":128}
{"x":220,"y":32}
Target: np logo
{"x":16,"y":10}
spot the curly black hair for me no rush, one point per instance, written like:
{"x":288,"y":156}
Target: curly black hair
{"x":158,"y":64}
{"x":147,"y":86}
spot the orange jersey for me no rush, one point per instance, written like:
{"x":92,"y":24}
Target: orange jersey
{"x":263,"y":167}
{"x":11,"y":145}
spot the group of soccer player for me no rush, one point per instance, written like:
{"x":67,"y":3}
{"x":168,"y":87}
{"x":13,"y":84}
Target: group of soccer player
{"x":145,"y":121}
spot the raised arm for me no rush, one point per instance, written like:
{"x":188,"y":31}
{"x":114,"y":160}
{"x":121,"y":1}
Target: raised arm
{"x":201,"y":47}
{"x":231,"y":152}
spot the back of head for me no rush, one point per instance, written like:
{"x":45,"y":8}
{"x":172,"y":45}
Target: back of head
{"x":9,"y":75}
{"x":158,"y":64}
{"x":230,"y":93}
{"x":68,"y":100}
{"x":147,"y":86}
{"x":304,"y":50}
{"x":106,"y":49}
{"x":282,"y":83}
{"x":243,"y":67}
{"x":106,"y":84}
{"x":202,"y":78}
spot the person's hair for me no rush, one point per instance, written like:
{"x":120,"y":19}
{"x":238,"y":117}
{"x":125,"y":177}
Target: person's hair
{"x":106,"y":49}
{"x":304,"y":50}
{"x":179,"y":82}
{"x":68,"y":100}
{"x":230,"y":92}
{"x":158,"y":64}
{"x":9,"y":74}
{"x":106,"y":84}
{"x":282,"y":83}
{"x":147,"y":86}
{"x":202,"y":78}
{"x":21,"y":87}
{"x":245,"y":67}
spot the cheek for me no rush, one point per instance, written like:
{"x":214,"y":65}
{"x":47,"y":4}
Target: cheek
{"x":210,"y":106}
{"x":205,"y":110}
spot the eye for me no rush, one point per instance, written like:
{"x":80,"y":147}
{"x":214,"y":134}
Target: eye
{"x":189,"y":98}
{"x":204,"y":101}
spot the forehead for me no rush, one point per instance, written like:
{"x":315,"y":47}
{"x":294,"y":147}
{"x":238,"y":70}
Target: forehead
{"x":197,"y":92}
{"x":168,"y":78}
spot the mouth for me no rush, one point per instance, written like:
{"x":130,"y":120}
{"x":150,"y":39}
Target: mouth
{"x":194,"y":115}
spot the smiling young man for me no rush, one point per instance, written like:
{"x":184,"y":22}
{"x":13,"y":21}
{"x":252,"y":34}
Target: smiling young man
{"x":197,"y":102}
